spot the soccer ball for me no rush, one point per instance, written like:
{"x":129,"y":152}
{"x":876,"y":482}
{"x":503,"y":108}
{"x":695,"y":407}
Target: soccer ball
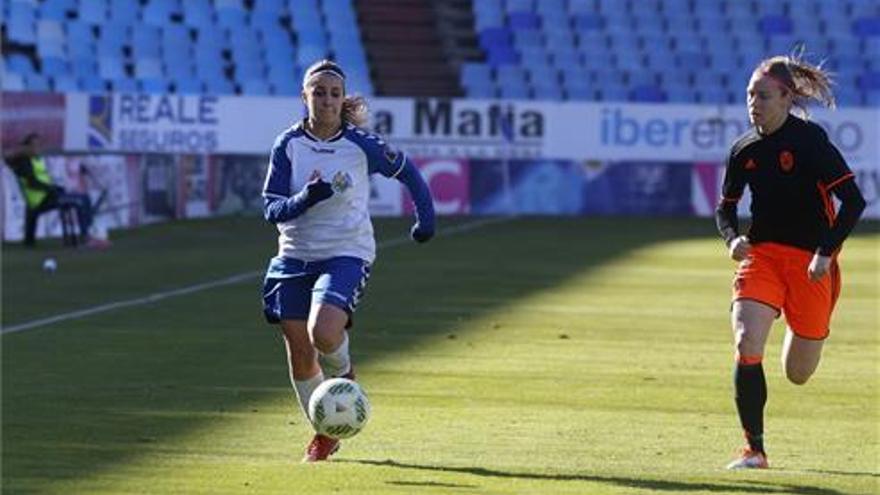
{"x":339,"y":408}
{"x":50,"y":265}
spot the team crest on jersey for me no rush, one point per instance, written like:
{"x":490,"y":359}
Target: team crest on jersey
{"x":786,"y":161}
{"x":391,"y":154}
{"x":341,"y":182}
{"x":751,"y":164}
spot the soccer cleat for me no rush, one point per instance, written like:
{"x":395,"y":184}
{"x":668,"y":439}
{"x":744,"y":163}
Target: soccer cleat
{"x":750,"y":459}
{"x":350,"y":375}
{"x":320,"y":448}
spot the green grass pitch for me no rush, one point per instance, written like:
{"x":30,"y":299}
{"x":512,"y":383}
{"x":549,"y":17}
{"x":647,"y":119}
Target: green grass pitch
{"x":557,"y":356}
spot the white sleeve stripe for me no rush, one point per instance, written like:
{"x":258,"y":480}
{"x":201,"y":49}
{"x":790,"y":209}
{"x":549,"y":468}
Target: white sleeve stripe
{"x":402,"y":164}
{"x":273,"y":195}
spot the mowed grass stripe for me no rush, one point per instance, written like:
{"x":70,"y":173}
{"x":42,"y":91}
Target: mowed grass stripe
{"x":190,"y":396}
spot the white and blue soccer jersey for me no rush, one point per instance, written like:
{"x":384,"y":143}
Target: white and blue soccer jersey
{"x":339,"y":225}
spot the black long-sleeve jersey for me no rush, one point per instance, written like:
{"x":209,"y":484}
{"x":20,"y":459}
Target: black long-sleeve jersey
{"x":791,"y":174}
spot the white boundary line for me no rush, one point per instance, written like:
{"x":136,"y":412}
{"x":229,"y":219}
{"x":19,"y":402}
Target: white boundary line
{"x":191,"y":289}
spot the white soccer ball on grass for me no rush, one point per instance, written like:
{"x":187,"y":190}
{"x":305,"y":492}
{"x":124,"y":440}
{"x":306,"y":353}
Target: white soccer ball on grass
{"x":339,"y":408}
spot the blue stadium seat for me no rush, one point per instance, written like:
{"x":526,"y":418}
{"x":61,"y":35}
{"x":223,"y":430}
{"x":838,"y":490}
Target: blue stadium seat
{"x":614,"y":93}
{"x":56,"y":9}
{"x":869,"y":81}
{"x":524,"y":20}
{"x":22,"y":31}
{"x":548,"y":92}
{"x":64,"y":83}
{"x":54,"y":66}
{"x":563,"y":57}
{"x":601,"y":60}
{"x":92,"y":83}
{"x":588,"y":21}
{"x":258,"y":87}
{"x":124,"y":85}
{"x":771,"y":7}
{"x":647,"y":94}
{"x":13,"y":82}
{"x":20,"y":63}
{"x":93,"y":11}
{"x":198,"y":14}
{"x":514,"y":91}
{"x":583,"y":91}
{"x":575,"y":76}
{"x":582,"y":7}
{"x":867,"y":26}
{"x":772,"y":25}
{"x":154,"y":85}
{"x":474,"y":73}
{"x":83,"y":66}
{"x":124,"y":11}
{"x":680,"y":94}
{"x":714,"y":95}
{"x":679,"y":24}
{"x":111,"y":68}
{"x":36,"y":82}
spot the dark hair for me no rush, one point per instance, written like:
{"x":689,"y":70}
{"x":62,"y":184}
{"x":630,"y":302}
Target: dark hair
{"x":29,"y":138}
{"x":354,"y":108}
{"x":323,"y":66}
{"x":804,"y":80}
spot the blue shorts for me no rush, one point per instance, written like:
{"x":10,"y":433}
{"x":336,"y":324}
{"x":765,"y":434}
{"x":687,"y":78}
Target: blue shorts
{"x":292,"y":286}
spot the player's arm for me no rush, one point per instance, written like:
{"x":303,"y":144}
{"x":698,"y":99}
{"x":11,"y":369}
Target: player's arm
{"x":279,"y":204}
{"x":838,"y":179}
{"x":726,"y":218}
{"x":395,"y":164}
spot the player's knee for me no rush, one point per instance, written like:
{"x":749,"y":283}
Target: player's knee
{"x":798,"y":376}
{"x":325,"y":339}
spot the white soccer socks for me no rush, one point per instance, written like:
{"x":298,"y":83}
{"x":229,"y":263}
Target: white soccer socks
{"x":305,"y":388}
{"x":338,"y":362}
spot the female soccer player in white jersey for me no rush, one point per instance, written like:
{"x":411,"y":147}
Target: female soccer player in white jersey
{"x":316,"y":192}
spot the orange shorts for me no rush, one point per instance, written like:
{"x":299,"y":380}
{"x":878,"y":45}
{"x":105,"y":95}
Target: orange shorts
{"x":776,"y":275}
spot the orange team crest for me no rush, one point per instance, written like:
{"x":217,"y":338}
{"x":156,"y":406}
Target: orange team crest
{"x":751,"y":164}
{"x":786,"y":161}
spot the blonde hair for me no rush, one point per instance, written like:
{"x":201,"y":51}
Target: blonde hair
{"x":805,"y":81}
{"x":354,"y":107}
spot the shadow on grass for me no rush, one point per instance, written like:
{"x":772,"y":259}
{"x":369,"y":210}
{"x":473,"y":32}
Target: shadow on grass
{"x":640,"y":483}
{"x":186,"y":362}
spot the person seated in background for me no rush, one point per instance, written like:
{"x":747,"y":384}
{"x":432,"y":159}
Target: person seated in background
{"x":40,"y":193}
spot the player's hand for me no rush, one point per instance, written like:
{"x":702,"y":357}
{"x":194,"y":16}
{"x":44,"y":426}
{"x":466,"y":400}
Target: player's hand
{"x":420,"y":233}
{"x":740,"y":248}
{"x":819,"y":267}
{"x":317,"y":189}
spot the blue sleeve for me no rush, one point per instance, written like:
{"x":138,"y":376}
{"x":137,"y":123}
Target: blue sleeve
{"x":278,"y":204}
{"x":277,"y":182}
{"x":277,"y":209}
{"x":420,"y":192}
{"x":393,"y":163}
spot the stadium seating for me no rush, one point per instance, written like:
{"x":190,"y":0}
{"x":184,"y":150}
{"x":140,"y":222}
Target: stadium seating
{"x":187,"y":46}
{"x":617,"y":40}
{"x":628,"y":50}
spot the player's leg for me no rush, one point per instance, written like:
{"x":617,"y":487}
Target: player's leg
{"x":327,"y":328}
{"x":302,"y":361}
{"x":751,"y":321}
{"x":336,"y":294}
{"x":800,"y":357}
{"x":287,"y":301}
{"x":808,"y":313}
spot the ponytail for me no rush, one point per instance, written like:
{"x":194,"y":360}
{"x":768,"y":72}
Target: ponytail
{"x":805,"y":81}
{"x":354,"y":111}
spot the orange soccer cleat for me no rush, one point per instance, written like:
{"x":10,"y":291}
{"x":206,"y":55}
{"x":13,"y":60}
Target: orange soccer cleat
{"x":750,"y":459}
{"x":320,"y":448}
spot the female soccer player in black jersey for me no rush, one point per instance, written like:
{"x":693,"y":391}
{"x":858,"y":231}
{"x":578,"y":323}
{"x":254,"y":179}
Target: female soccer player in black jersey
{"x":788,"y":258}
